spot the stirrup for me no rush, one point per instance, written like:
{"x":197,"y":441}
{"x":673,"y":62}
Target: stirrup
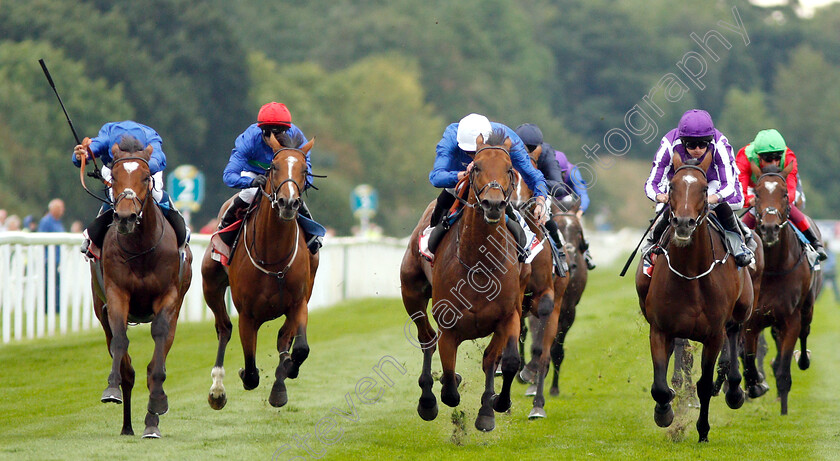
{"x":588,"y":258}
{"x":315,"y":243}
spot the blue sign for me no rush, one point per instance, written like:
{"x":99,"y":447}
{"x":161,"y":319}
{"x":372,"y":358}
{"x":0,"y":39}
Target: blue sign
{"x":363,"y":201}
{"x":186,"y":187}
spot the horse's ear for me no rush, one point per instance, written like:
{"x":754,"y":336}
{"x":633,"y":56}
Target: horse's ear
{"x":508,"y":143}
{"x":148,"y":151}
{"x":707,"y":161}
{"x":676,"y":160}
{"x":535,"y":154}
{"x":787,"y":170}
{"x":115,"y":149}
{"x":479,"y":142}
{"x":305,"y":148}
{"x":756,"y":170}
{"x":273,"y":143}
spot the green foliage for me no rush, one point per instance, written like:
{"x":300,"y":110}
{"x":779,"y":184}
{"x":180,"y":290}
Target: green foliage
{"x":744,"y":114}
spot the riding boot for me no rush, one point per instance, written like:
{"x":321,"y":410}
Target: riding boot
{"x":653,"y":238}
{"x":554,"y":232}
{"x":313,"y":242}
{"x":231,"y":215}
{"x":175,"y":218}
{"x":512,"y":223}
{"x":96,"y":230}
{"x":438,"y":225}
{"x":444,"y":202}
{"x":561,"y":266}
{"x":587,"y":256}
{"x":742,"y":254}
{"x":815,"y":242}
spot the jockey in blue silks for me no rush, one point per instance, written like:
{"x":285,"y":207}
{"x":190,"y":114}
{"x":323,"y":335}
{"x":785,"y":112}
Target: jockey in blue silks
{"x":561,"y":176}
{"x":100,"y":147}
{"x":695,"y":137}
{"x":250,"y":158}
{"x":454,"y":159}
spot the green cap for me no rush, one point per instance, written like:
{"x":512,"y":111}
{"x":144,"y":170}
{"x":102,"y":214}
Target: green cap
{"x":766,"y":141}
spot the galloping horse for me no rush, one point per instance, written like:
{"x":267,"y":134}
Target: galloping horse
{"x":271,"y":273}
{"x":572,"y":230}
{"x":789,"y":288}
{"x":692,"y":294}
{"x":544,"y":294}
{"x":476,"y":285}
{"x":142,"y":277}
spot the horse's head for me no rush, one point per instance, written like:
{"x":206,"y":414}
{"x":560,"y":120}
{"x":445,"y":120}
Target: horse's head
{"x":687,"y":197}
{"x":131,"y":182}
{"x":772,"y":206}
{"x":492,"y":176}
{"x":522,"y":193}
{"x":286,"y":176}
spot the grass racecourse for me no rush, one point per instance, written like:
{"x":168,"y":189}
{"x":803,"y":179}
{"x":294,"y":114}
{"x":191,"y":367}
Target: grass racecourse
{"x":50,"y":388}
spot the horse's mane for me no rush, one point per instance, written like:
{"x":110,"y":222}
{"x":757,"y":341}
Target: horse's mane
{"x":497,"y":137}
{"x":771,"y":169}
{"x":129,"y":144}
{"x":692,"y":161}
{"x":285,"y":140}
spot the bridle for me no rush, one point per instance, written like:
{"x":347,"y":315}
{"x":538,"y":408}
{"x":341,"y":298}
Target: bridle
{"x":129,"y":193}
{"x":705,"y":212}
{"x":773,"y":211}
{"x":493,"y":184}
{"x":273,"y":196}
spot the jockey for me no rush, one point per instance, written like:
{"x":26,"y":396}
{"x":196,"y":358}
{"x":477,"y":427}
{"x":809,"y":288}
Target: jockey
{"x":695,"y":137}
{"x":112,"y":133}
{"x":769,"y":148}
{"x":251,"y":157}
{"x":454,"y":160}
{"x":561,"y":176}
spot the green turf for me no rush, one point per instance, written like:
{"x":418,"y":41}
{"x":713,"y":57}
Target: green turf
{"x":50,"y":388}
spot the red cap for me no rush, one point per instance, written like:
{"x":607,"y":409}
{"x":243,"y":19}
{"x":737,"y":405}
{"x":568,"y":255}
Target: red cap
{"x":274,"y":113}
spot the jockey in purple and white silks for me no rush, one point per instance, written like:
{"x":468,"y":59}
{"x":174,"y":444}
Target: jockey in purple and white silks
{"x":562,"y":178}
{"x":696,"y":137}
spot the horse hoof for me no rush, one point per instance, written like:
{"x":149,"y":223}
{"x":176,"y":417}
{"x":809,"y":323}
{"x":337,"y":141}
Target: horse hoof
{"x":703,"y":439}
{"x":554,"y":391}
{"x":804,"y":361}
{"x":128,"y":431}
{"x":249,"y":382}
{"x":536,"y":413}
{"x":427,"y":413}
{"x":112,"y":394}
{"x":735,"y":399}
{"x":151,"y":432}
{"x":158,"y":406}
{"x":217,"y":403}
{"x":531,"y":391}
{"x":663,"y":415}
{"x":527,"y":375}
{"x":458,"y":380}
{"x":499,"y":405}
{"x":485,"y":423}
{"x":278,"y":396}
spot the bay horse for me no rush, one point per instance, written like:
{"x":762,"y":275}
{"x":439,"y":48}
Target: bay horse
{"x":141,"y":277}
{"x":476,"y":285}
{"x":789,"y":287}
{"x":571,"y":229}
{"x":271,"y":274}
{"x":695,"y":289}
{"x":542,"y":301}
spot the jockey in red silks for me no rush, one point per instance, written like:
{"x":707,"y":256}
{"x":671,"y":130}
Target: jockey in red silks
{"x":769,"y":148}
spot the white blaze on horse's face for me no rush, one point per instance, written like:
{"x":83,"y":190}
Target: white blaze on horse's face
{"x":770,"y":186}
{"x":129,"y":193}
{"x":689,"y":180}
{"x":129,"y":167}
{"x":290,"y":161}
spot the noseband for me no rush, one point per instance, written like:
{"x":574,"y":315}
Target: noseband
{"x":130,"y":194}
{"x":492,"y":184}
{"x":273,"y":196}
{"x":773,"y":211}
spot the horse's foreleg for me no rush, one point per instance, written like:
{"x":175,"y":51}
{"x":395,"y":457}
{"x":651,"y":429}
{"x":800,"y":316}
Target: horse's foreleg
{"x":118,"y":347}
{"x":783,"y":378}
{"x":711,"y":349}
{"x":293,"y":328}
{"x":551,"y":324}
{"x":250,"y":375}
{"x":807,"y":315}
{"x":427,"y":407}
{"x":127,"y":384}
{"x":568,"y":312}
{"x":214,"y":295}
{"x":539,"y":319}
{"x":660,"y":349}
{"x":300,"y":348}
{"x":754,"y":379}
{"x":448,"y":351}
{"x":486,"y":420}
{"x":734,"y":395}
{"x":163,"y":326}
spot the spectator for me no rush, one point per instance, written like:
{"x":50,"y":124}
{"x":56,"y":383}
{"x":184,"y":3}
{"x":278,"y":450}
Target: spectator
{"x":13,"y":223}
{"x":30,"y":224}
{"x":3,"y":223}
{"x":51,"y":222}
{"x":77,"y":227}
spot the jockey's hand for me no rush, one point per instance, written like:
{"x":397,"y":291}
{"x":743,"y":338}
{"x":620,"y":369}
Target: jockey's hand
{"x":579,"y":214}
{"x":751,"y":201}
{"x":83,"y":150}
{"x":540,"y":211}
{"x":662,"y":198}
{"x":463,"y":174}
{"x":259,"y":181}
{"x":714,"y":198}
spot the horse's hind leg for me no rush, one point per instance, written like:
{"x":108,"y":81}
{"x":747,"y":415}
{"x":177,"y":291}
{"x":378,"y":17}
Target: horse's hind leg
{"x":660,"y":351}
{"x":118,"y":347}
{"x":568,"y":312}
{"x":783,"y":378}
{"x":415,"y":300}
{"x":250,"y":375}
{"x":734,"y":395}
{"x":300,"y":348}
{"x":214,"y":281}
{"x":753,"y":377}
{"x":550,"y":331}
{"x":127,"y":384}
{"x":711,"y":349}
{"x":804,"y":360}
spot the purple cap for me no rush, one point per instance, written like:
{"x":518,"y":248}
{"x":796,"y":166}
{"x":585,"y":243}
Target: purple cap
{"x":696,"y":123}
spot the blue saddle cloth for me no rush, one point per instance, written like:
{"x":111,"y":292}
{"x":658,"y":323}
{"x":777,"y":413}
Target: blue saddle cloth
{"x":311,"y":227}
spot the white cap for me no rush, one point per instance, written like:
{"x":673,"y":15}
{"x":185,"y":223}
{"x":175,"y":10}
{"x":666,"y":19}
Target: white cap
{"x":469,"y":128}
